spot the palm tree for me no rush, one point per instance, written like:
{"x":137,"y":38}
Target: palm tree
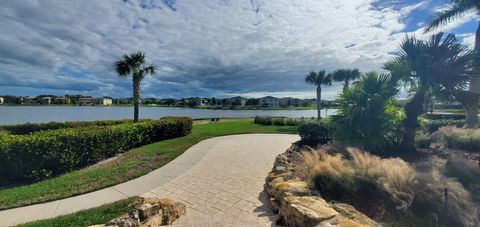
{"x":318,"y":79}
{"x":440,"y":64}
{"x":346,"y":75}
{"x":368,"y":115}
{"x":134,"y":64}
{"x":457,"y":9}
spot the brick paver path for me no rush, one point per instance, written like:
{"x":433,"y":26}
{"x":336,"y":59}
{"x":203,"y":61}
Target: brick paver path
{"x":226,"y":187}
{"x":219,"y":179}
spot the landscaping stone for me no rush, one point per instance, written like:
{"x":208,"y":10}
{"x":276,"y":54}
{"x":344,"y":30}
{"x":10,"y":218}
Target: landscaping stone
{"x":152,"y":212}
{"x":298,"y":205}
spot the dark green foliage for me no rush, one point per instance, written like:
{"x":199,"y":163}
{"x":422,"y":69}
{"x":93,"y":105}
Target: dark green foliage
{"x":45,"y":154}
{"x":280,"y":121}
{"x":368,"y":117}
{"x":315,"y":132}
{"x":28,"y":128}
{"x":433,"y":125}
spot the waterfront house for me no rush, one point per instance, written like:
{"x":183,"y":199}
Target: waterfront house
{"x":269,"y":101}
{"x":2,"y":100}
{"x":61,"y":100}
{"x":199,"y":102}
{"x":103,"y":101}
{"x":238,"y":101}
{"x":45,"y":100}
{"x":29,"y":100}
{"x":85,"y":101}
{"x":290,"y":102}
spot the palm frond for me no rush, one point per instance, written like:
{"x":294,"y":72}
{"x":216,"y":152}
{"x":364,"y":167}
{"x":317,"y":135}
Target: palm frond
{"x":456,"y":10}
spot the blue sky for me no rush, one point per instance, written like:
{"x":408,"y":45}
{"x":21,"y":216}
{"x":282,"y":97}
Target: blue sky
{"x":204,"y":48}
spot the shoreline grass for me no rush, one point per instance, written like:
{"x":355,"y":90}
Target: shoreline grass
{"x":130,"y":165}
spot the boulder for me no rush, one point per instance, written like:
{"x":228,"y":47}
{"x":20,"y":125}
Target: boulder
{"x":305,"y":211}
{"x":151,"y":212}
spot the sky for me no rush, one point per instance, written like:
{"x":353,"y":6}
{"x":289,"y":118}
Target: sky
{"x":205,"y":48}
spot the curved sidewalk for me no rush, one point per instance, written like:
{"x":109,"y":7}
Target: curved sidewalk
{"x":222,"y":176}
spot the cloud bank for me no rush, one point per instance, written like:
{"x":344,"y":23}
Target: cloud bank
{"x":202,"y":48}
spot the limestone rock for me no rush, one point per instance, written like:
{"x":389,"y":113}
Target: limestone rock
{"x":306,"y":210}
{"x":151,"y":212}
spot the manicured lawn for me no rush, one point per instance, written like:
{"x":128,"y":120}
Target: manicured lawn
{"x":98,"y":215}
{"x":130,"y":165}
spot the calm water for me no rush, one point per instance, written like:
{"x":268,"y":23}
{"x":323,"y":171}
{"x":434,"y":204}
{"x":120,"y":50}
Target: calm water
{"x":35,"y":114}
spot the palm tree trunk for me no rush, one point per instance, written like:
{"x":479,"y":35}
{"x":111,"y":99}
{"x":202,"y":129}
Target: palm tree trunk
{"x":319,"y":101}
{"x":345,"y":85}
{"x":471,"y":119}
{"x":413,"y":109}
{"x":136,"y":98}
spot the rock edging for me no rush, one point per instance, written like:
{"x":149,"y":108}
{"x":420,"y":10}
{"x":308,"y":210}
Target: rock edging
{"x":298,"y":205}
{"x":151,"y":212}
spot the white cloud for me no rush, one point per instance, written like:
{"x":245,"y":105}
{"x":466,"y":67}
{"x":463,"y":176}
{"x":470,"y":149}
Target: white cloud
{"x":208,"y":47}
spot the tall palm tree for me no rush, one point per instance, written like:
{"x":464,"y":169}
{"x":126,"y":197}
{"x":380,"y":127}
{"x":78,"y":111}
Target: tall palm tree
{"x":439,"y":64}
{"x":319,"y":79}
{"x":456,"y":10}
{"x":134,"y":64}
{"x":346,"y":75}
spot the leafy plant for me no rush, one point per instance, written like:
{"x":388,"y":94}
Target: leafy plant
{"x":315,"y":132}
{"x":368,"y":116}
{"x":319,"y":79}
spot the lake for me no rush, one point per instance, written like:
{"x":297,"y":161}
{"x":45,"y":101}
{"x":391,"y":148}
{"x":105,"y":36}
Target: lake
{"x":37,"y":114}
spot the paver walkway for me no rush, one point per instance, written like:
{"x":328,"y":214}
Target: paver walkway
{"x":219,"y":179}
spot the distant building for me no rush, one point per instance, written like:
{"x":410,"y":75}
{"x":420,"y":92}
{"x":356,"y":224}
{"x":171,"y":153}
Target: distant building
{"x":45,"y":100}
{"x":85,"y":101}
{"x":2,"y":100}
{"x":61,"y":100}
{"x":29,"y":100}
{"x":238,"y":101}
{"x":199,"y":102}
{"x":103,"y":101}
{"x":269,"y":101}
{"x":290,"y":102}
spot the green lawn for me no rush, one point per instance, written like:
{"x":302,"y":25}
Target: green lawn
{"x":130,"y":165}
{"x":98,"y":215}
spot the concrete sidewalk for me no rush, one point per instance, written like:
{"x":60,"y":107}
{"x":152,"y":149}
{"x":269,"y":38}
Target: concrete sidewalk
{"x":207,"y":161}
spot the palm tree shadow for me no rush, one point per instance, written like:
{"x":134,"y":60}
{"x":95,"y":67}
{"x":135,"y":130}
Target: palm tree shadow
{"x":265,"y":210}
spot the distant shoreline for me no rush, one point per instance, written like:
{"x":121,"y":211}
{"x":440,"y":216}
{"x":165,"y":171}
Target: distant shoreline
{"x":189,"y":107}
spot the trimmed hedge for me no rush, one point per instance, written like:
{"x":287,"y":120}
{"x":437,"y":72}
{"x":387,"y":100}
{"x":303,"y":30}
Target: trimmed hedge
{"x":280,"y":121}
{"x":45,"y":154}
{"x":315,"y":132}
{"x":28,"y":128}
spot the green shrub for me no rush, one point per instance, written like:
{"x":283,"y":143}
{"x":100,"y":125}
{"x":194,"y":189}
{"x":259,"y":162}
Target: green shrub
{"x":368,"y":117}
{"x":458,"y":138}
{"x":314,"y":132}
{"x":280,"y":121}
{"x":28,"y":128}
{"x":431,"y":126}
{"x":45,"y":154}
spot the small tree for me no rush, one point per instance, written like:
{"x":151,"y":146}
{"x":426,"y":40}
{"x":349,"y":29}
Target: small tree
{"x":318,"y":79}
{"x":134,"y":64}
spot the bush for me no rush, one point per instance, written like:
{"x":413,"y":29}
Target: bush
{"x":431,"y":126}
{"x":466,"y":172}
{"x":314,"y":132}
{"x":45,"y":154}
{"x":368,"y":116}
{"x":28,"y":128}
{"x":280,"y":121}
{"x":391,"y":186}
{"x":458,"y":138}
